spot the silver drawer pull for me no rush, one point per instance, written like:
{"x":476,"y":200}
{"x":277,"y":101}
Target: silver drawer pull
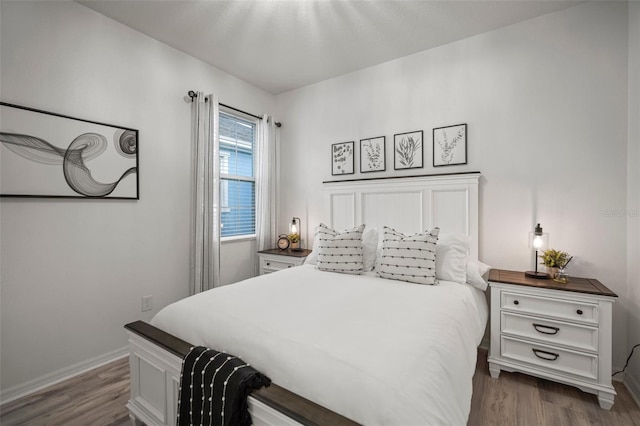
{"x":551,"y":356}
{"x":543,"y":329}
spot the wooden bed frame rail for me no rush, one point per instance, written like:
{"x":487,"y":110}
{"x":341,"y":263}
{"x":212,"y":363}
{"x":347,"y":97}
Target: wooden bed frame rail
{"x":154,"y":350}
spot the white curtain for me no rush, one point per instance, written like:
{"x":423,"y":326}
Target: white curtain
{"x":205,"y":255}
{"x":266,"y":185}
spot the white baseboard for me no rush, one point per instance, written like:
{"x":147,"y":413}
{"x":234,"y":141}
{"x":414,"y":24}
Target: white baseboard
{"x":19,"y":391}
{"x":633,"y":385}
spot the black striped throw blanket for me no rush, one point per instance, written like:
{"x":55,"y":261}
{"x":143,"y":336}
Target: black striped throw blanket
{"x":214,"y":387}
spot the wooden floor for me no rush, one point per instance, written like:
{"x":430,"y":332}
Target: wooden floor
{"x":95,"y":398}
{"x":99,"y":397}
{"x":517,"y":399}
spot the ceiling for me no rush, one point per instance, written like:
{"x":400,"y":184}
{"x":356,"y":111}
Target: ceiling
{"x":282,"y":45}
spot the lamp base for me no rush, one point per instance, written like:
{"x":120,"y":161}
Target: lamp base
{"x":297,"y":249}
{"x":537,"y":275}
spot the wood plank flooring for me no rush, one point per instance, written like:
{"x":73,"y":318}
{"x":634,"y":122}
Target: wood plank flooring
{"x":95,"y":398}
{"x":98,"y":398}
{"x":516,"y":399}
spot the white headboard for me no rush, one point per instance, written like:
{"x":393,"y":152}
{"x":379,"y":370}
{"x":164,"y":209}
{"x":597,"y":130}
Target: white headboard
{"x":407,"y":204}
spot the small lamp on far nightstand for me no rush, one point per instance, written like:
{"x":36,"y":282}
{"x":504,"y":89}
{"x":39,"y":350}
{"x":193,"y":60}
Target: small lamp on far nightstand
{"x":294,"y":234}
{"x":537,"y":240}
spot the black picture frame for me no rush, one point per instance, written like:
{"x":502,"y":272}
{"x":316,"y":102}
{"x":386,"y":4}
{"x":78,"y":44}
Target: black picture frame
{"x":48,"y":155}
{"x":450,"y":150}
{"x":342,"y":158}
{"x":408,"y":150}
{"x":373,"y":154}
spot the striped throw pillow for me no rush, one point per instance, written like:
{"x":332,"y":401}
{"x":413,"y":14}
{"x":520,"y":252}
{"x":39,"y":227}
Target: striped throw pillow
{"x":340,"y":251}
{"x":410,"y":258}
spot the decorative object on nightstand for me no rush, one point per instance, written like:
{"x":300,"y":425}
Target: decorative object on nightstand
{"x":294,"y":234}
{"x":273,"y":260}
{"x":556,"y":262}
{"x":560,"y":332}
{"x":283,"y":242}
{"x":537,"y":240}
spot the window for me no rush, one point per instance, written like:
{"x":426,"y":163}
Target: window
{"x":237,"y":179}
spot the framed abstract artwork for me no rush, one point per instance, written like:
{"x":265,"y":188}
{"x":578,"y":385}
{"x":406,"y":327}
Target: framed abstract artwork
{"x":372,"y":155}
{"x":450,"y":145}
{"x":342,"y":158}
{"x":407,"y":150}
{"x":44,"y":154}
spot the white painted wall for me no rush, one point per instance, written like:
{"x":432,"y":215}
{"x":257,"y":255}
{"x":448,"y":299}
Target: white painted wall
{"x":633,"y":208}
{"x":545,"y":101}
{"x":73,"y":272}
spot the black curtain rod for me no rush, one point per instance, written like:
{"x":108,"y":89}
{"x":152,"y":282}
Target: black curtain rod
{"x":193,"y":95}
{"x":239,"y":110}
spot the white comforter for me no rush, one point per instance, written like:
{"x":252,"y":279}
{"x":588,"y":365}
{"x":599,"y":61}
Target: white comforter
{"x":374,"y":350}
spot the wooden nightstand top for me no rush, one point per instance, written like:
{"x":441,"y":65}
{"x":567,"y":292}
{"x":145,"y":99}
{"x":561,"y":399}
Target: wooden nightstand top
{"x":579,"y":285}
{"x":288,"y":252}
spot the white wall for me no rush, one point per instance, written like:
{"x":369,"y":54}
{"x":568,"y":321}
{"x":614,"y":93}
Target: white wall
{"x":633,"y":208}
{"x":546,"y":105}
{"x":73,"y":272}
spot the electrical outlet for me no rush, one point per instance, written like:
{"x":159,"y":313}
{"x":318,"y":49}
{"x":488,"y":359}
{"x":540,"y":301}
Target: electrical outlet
{"x":147,"y":303}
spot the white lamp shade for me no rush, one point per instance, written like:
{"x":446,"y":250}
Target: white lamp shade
{"x":294,"y":226}
{"x":538,"y":242}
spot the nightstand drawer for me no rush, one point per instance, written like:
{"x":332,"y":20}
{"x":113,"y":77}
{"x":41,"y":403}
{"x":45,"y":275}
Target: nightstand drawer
{"x":272,"y":265}
{"x":550,"y":307}
{"x":576,"y":336}
{"x":273,"y":260}
{"x":550,"y":357}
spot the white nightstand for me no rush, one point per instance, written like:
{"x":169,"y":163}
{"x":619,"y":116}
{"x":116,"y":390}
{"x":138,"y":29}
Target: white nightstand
{"x":273,"y":260}
{"x":560,"y":332}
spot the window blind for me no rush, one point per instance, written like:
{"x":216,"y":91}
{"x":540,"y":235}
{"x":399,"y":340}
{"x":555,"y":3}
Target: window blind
{"x":237,"y":192}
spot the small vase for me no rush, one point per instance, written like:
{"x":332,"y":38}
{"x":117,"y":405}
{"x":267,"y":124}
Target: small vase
{"x":552,"y":271}
{"x":561,"y":276}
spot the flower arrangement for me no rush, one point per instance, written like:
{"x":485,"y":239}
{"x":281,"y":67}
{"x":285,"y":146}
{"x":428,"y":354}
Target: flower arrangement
{"x":553,"y":258}
{"x":294,"y":238}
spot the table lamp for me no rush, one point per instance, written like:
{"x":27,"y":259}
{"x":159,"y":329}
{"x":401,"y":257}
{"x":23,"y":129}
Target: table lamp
{"x":537,"y":240}
{"x":294,"y":234}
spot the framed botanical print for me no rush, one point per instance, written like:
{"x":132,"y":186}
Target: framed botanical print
{"x":342,"y":158}
{"x":372,"y":155}
{"x":450,"y":145}
{"x":407,"y":150}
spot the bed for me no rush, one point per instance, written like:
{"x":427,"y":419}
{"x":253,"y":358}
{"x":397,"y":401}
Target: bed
{"x":363,"y":348}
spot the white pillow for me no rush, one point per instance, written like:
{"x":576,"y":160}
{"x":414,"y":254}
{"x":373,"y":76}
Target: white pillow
{"x":409,"y":257}
{"x":451,"y":257}
{"x":379,"y":249}
{"x":340,"y":251}
{"x":476,"y":272}
{"x":312,"y":259}
{"x":369,"y":246}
